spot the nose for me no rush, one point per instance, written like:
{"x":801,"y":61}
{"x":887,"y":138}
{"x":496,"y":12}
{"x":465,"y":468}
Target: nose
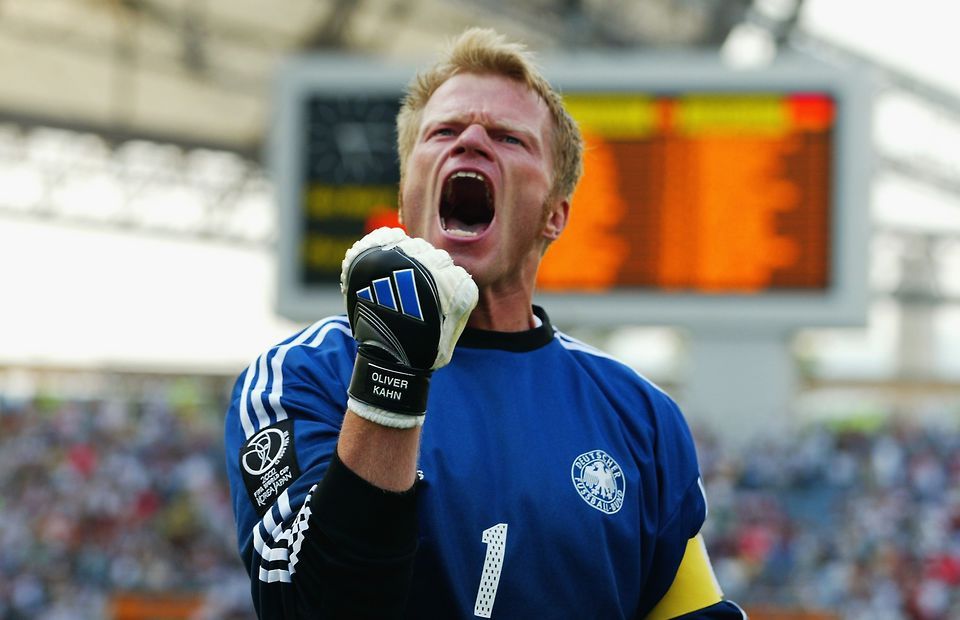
{"x":473,"y":139}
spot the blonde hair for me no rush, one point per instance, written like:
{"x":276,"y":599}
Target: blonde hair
{"x":481,"y":50}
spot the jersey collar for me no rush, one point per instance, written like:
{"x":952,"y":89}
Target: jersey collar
{"x":517,"y":342}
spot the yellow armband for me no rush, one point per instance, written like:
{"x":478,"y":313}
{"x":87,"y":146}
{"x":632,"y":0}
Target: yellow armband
{"x":694,"y":587}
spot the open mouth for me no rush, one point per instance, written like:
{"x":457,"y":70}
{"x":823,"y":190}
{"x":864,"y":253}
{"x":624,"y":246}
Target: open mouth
{"x":466,"y":204}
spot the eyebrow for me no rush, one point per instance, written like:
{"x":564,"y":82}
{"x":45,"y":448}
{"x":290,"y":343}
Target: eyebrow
{"x":501,"y":125}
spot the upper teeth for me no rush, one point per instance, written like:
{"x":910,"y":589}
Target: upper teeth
{"x":465,"y":174}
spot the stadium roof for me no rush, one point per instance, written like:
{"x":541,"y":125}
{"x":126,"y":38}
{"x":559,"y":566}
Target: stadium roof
{"x":197,"y":72}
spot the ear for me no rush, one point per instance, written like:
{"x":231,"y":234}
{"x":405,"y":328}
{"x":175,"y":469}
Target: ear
{"x":557,"y":217}
{"x":400,"y":204}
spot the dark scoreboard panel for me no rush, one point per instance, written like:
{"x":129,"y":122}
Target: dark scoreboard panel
{"x":350,"y":178}
{"x":710,"y":196}
{"x":701,"y":192}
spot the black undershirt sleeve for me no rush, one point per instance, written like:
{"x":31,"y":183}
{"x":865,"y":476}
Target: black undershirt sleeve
{"x":356,"y":560}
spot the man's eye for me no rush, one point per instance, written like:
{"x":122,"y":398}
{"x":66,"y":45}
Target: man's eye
{"x":443,"y":131}
{"x":511,"y":139}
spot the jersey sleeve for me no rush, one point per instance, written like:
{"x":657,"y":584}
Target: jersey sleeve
{"x":682,"y":583}
{"x":681,"y":500}
{"x":305,"y":522}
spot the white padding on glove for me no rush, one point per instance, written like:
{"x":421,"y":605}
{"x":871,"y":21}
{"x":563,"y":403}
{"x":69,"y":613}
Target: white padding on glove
{"x":384,"y":417}
{"x":455,"y":287}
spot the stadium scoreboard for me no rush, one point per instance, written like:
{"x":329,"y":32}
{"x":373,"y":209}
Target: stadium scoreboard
{"x":710,"y":196}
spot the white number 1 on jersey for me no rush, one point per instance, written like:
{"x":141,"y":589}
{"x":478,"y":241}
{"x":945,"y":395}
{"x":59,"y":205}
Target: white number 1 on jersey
{"x":496,"y":540}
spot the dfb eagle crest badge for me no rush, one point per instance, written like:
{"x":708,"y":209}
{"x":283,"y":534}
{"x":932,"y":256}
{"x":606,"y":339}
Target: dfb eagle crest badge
{"x":599,"y":481}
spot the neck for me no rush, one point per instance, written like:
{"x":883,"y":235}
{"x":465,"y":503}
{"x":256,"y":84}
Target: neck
{"x":503,"y":311}
{"x":505,"y":304}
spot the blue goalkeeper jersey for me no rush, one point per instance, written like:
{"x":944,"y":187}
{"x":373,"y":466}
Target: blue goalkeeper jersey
{"x":554,"y":481}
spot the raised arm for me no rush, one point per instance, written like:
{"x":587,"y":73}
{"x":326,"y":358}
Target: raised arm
{"x":338,"y":538}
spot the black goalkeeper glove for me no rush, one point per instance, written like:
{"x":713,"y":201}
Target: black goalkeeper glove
{"x":407,"y":304}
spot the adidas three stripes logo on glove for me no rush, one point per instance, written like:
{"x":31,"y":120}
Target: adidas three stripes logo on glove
{"x":407,"y":304}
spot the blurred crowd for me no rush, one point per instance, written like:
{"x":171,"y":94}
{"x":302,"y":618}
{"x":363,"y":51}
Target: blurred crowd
{"x":99,"y":497}
{"x":128,"y":495}
{"x":860,"y":521}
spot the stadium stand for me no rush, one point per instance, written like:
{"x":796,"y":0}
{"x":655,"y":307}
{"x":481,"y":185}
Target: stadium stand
{"x":105,"y":497}
{"x":864,"y":521}
{"x":117,"y":507}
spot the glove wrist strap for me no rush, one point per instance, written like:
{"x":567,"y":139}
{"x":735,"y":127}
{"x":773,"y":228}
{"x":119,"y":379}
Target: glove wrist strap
{"x":389,"y":386}
{"x":384,"y":417}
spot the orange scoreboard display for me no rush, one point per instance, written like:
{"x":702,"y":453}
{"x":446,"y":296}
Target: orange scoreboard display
{"x":709,"y":197}
{"x":707,"y":193}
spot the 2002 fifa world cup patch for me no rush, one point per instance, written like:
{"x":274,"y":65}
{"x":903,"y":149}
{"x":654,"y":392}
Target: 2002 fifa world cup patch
{"x":268,"y":463}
